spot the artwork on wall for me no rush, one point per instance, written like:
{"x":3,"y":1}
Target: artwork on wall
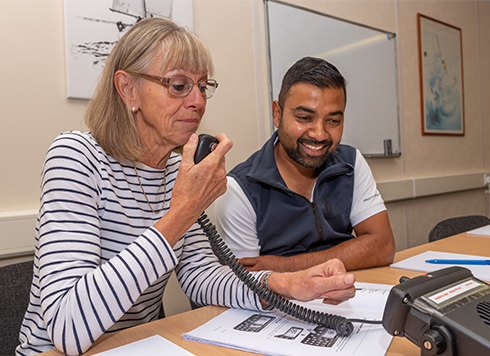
{"x":441,"y":77}
{"x":93,"y":27}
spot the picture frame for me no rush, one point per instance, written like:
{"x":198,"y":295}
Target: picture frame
{"x":93,"y":27}
{"x":441,"y":77}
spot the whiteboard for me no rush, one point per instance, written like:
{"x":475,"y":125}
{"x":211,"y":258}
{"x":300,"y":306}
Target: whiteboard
{"x":365,"y":56}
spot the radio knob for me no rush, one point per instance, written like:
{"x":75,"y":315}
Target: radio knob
{"x":433,"y":343}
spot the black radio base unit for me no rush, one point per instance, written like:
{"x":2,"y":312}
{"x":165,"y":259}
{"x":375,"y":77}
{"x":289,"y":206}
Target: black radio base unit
{"x":445,"y":312}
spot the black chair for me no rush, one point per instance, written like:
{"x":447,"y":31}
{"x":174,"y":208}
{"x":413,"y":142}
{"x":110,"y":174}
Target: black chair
{"x":454,"y":226}
{"x":15,"y":286}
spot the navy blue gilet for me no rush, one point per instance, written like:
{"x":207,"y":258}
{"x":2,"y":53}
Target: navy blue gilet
{"x":289,"y":224}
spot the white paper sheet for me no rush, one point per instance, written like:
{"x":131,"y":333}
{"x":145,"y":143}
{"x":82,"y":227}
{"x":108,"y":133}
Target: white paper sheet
{"x":485,"y":231}
{"x":417,"y":263}
{"x":369,"y":302}
{"x":153,"y":345}
{"x":277,"y":334}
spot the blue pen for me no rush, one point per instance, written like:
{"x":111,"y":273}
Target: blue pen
{"x":460,"y":262}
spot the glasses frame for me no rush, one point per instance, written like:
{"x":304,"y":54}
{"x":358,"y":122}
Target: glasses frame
{"x":166,"y":81}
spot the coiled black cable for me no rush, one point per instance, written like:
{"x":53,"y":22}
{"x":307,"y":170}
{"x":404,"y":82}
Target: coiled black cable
{"x":340,"y":324}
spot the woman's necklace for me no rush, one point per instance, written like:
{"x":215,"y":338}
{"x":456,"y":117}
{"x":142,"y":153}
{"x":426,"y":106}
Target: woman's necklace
{"x":164,"y":189}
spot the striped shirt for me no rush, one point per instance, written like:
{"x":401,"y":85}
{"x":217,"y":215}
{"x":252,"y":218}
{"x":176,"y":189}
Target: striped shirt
{"x":100,"y":265}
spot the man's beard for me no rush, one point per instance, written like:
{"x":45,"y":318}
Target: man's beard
{"x":298,"y":155}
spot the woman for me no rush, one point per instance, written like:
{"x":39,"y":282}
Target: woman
{"x":118,"y":206}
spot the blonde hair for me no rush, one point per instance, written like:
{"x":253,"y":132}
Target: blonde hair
{"x":110,"y":121}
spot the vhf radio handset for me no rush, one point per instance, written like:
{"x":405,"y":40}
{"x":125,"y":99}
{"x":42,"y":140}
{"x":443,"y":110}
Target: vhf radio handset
{"x":340,"y":324}
{"x":205,"y":146}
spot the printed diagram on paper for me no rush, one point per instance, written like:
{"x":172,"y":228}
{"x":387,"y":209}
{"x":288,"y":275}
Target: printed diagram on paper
{"x":275,"y":333}
{"x":318,"y":336}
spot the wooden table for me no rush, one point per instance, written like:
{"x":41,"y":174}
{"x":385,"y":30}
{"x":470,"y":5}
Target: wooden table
{"x":173,"y":327}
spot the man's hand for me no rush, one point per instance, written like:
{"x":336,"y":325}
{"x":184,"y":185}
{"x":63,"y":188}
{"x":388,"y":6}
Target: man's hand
{"x":281,"y":263}
{"x":374,"y":246}
{"x":265,"y":263}
{"x":328,"y":281}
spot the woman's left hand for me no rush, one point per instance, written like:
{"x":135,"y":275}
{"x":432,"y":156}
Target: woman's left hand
{"x":328,"y":281}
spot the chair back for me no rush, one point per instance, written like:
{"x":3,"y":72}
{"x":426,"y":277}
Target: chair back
{"x":454,"y":226}
{"x":15,"y":286}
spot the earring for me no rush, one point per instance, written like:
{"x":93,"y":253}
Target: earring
{"x":133,"y":109}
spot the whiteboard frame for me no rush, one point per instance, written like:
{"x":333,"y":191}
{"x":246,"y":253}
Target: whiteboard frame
{"x":387,"y":149}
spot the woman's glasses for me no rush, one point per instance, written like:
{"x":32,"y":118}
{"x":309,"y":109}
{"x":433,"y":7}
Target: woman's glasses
{"x":180,"y":86}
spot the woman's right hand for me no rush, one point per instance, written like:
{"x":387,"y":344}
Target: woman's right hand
{"x":197,"y":186}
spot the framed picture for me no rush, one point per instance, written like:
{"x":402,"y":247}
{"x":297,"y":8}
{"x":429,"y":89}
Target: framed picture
{"x":93,"y":27}
{"x":441,"y":77}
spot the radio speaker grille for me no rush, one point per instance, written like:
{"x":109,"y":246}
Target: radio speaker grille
{"x":483,"y":309}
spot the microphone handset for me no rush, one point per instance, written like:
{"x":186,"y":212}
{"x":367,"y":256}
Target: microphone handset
{"x":340,"y":324}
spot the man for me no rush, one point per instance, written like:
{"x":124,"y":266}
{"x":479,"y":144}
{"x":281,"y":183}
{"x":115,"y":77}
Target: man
{"x":297,"y":201}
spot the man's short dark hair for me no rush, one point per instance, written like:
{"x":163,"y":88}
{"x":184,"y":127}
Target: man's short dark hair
{"x":316,"y":71}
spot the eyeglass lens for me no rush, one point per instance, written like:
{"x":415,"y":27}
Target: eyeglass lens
{"x":182,"y":86}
